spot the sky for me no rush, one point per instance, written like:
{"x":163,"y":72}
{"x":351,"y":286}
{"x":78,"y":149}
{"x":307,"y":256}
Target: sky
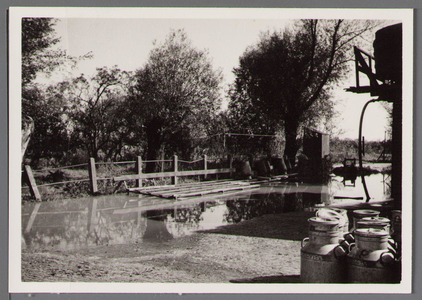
{"x":127,"y":43}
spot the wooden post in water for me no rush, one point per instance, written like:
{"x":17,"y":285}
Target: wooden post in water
{"x":139,"y":170}
{"x":32,"y":184}
{"x":93,"y":176}
{"x":205,"y":165}
{"x":175,"y":163}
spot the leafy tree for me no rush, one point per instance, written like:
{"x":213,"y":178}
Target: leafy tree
{"x":37,"y":38}
{"x":38,"y":52}
{"x":97,"y":114}
{"x":40,"y":112}
{"x":177,"y":93}
{"x":285,"y":79}
{"x":50,"y":138}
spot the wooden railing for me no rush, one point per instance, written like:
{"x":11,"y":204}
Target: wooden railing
{"x":175,"y":174}
{"x":139,"y":176}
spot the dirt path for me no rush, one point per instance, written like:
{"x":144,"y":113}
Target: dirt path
{"x":264,"y":249}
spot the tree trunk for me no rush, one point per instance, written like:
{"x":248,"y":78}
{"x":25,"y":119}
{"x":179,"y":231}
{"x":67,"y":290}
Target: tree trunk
{"x":290,"y":132}
{"x":154,"y":142}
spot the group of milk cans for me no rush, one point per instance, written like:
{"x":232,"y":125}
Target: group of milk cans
{"x":370,"y":252}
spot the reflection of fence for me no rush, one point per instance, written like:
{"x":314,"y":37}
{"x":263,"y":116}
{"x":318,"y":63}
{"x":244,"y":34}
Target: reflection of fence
{"x":94,"y":178}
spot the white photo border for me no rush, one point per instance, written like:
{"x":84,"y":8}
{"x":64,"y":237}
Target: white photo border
{"x":17,"y":13}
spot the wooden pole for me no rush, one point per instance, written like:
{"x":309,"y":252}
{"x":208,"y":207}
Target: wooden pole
{"x":175,"y":163}
{"x":205,"y":165}
{"x":93,"y":176}
{"x":32,"y":184}
{"x":139,"y":170}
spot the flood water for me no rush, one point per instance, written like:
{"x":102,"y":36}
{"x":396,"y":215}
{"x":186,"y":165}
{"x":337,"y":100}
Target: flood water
{"x":125,"y":219}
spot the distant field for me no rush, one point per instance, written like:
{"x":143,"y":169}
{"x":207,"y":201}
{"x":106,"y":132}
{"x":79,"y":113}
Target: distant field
{"x":341,"y":149}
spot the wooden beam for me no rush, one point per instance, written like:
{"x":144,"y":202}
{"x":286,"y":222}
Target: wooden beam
{"x":205,"y":165}
{"x":175,"y":169}
{"x":187,"y":188}
{"x":217,"y":190}
{"x":139,"y":170}
{"x":93,"y":176}
{"x":32,"y":184}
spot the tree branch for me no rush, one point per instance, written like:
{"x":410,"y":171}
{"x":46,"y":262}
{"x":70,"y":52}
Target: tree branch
{"x":329,"y":69}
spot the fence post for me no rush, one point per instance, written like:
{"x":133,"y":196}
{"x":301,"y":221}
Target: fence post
{"x":205,"y":166}
{"x":32,"y":184}
{"x":139,"y":170}
{"x":230,"y":157}
{"x":93,"y":176}
{"x":174,"y":179}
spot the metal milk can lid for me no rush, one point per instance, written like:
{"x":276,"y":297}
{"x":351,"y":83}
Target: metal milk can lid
{"x":371,"y":232}
{"x":377,"y":220}
{"x":323,"y":221}
{"x":365,"y":213}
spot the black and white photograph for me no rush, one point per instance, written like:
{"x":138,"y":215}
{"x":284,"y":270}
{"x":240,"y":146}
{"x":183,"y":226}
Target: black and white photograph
{"x":210,"y":150}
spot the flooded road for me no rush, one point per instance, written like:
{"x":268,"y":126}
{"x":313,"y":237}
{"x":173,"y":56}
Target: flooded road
{"x":137,"y":219}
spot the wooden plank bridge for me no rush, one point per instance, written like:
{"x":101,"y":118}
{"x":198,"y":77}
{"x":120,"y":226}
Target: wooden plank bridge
{"x":185,"y":190}
{"x":196,"y":189}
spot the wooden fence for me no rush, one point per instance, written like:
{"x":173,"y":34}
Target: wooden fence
{"x":139,"y":176}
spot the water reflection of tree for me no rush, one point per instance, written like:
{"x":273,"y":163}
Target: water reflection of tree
{"x":190,"y":215}
{"x":118,"y":228}
{"x":97,"y":221}
{"x":272,"y":203}
{"x":183,"y":220}
{"x":255,"y":206}
{"x":80,"y":223}
{"x":60,"y":231}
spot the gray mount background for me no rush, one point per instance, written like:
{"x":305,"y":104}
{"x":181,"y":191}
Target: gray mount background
{"x":417,"y":187}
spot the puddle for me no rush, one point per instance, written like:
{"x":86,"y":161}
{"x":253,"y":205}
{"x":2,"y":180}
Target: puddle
{"x":124,"y":219}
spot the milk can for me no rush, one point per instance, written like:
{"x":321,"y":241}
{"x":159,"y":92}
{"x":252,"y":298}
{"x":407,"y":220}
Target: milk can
{"x":336,"y":213}
{"x":371,"y":259}
{"x":374,"y":222}
{"x":362,"y":213}
{"x":322,"y":259}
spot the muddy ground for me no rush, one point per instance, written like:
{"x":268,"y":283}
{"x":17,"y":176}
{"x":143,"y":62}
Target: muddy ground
{"x":262,"y":250}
